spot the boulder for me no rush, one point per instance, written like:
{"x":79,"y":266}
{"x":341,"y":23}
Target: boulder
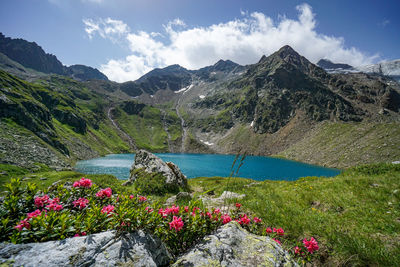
{"x":231,"y":245}
{"x":102,"y":249}
{"x":151,"y":164}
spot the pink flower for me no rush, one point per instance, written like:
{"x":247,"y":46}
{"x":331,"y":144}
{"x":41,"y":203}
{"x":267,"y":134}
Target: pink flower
{"x":311,"y":245}
{"x":238,"y":205}
{"x":176,"y":223}
{"x":83,"y":182}
{"x":244,"y":220}
{"x":149,"y":209}
{"x":217,"y":211}
{"x":55,"y":207}
{"x":83,"y":233}
{"x":297,"y":250}
{"x":173,"y":210}
{"x":257,"y":220}
{"x":41,"y":201}
{"x":53,"y":204}
{"x":142,"y":198}
{"x":225,"y":218}
{"x":186,"y":209}
{"x":76,"y":235}
{"x":104,"y":193}
{"x":81,"y":203}
{"x":131,"y":196}
{"x":279,"y":231}
{"x":108,"y":209}
{"x":268,"y":230}
{"x":23,"y":224}
{"x":277,"y":241}
{"x":33,"y":214}
{"x":163,"y":213}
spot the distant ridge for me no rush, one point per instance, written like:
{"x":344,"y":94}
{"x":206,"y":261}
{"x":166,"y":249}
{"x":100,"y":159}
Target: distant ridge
{"x":31,"y":55}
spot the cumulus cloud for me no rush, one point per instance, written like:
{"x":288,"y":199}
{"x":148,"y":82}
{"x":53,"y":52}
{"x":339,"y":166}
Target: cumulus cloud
{"x":107,"y":28}
{"x":242,"y":40}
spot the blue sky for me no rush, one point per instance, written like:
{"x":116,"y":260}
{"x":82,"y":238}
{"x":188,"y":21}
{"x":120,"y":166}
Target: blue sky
{"x":127,"y":38}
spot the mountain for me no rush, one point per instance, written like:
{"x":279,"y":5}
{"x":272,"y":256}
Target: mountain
{"x":173,"y":77}
{"x":211,"y":73}
{"x":32,"y":56}
{"x":329,"y":65}
{"x":389,"y":68}
{"x":282,"y":105}
{"x":84,"y":73}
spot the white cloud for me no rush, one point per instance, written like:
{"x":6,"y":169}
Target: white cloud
{"x":242,"y":40}
{"x":107,"y":28}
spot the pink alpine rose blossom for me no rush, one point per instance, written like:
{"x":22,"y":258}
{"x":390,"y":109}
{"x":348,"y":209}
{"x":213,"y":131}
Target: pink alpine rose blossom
{"x":311,"y":245}
{"x":108,"y":209}
{"x":225,"y":218}
{"x":81,"y":203}
{"x":41,"y":201}
{"x":104,"y":193}
{"x":83,"y":182}
{"x":176,"y":224}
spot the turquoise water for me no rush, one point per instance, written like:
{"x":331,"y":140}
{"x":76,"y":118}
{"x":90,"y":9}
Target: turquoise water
{"x":208,"y":165}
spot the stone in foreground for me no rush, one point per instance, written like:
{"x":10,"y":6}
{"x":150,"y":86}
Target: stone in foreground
{"x":102,"y":249}
{"x":150,"y":163}
{"x":231,"y":245}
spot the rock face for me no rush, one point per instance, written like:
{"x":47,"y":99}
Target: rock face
{"x":103,"y":249}
{"x":150,"y":163}
{"x":233,"y":246}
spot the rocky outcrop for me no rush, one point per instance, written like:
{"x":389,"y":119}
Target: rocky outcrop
{"x":233,"y":246}
{"x":150,"y":163}
{"x":103,"y":249}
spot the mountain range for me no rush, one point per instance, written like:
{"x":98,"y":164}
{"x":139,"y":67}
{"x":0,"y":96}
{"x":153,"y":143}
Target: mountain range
{"x":283,"y":105}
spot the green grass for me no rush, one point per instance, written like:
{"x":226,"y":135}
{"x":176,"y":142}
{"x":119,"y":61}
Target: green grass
{"x":348,"y":144}
{"x":355,"y":216}
{"x":146,"y":129}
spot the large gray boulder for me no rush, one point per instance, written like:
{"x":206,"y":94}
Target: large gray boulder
{"x":231,"y":245}
{"x":150,"y":163}
{"x":102,"y":249}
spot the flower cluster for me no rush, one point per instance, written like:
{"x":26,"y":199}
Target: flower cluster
{"x":244,"y":220}
{"x":54,"y":204}
{"x":51,"y":204}
{"x":83,"y":182}
{"x":104,"y":193}
{"x":41,"y":201}
{"x":311,"y":245}
{"x":81,"y":203}
{"x":225,"y":218}
{"x":165,"y":212}
{"x":108,"y":209}
{"x":25,"y":222}
{"x":176,"y":224}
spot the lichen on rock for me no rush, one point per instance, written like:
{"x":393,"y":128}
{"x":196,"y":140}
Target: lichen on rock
{"x":232,"y":245}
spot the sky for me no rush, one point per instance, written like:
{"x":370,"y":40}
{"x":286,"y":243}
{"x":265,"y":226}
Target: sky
{"x":127,"y":38}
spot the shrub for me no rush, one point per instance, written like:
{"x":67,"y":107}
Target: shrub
{"x":31,"y":216}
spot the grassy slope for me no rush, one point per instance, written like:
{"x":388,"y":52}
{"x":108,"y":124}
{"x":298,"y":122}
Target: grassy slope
{"x":355,"y":215}
{"x":348,"y":144}
{"x":74,"y":98}
{"x":147,"y":130}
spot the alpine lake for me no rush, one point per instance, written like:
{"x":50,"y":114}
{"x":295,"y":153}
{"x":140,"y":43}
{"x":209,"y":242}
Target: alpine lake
{"x":210,"y":165}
